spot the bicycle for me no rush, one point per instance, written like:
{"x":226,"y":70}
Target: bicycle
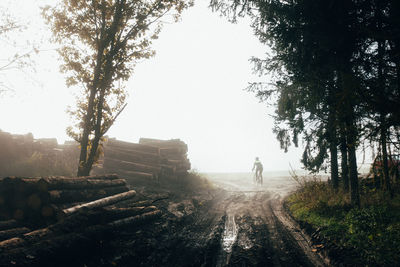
{"x":257,"y":178}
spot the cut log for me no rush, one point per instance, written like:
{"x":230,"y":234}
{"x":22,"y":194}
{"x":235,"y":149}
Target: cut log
{"x":11,"y":243}
{"x":133,"y":174}
{"x":179,"y":164}
{"x":113,"y":214}
{"x":136,"y":219}
{"x":18,"y":185}
{"x":52,"y":183}
{"x":112,"y":176}
{"x":40,"y":233}
{"x":164,"y":143}
{"x":4,"y":225}
{"x":148,"y":159}
{"x":133,"y":146}
{"x":57,"y":250}
{"x":13,"y":232}
{"x":167,"y":169}
{"x":24,"y":201}
{"x":80,"y":195}
{"x":173,"y":151}
{"x":130,"y":166}
{"x":141,"y":203}
{"x":144,"y":155}
{"x":101,"y":202}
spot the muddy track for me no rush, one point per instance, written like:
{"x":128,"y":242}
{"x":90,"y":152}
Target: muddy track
{"x":258,"y":233}
{"x":247,"y":227}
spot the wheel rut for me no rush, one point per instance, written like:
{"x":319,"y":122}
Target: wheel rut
{"x":258,"y":233}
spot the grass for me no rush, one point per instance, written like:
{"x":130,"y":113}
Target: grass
{"x":372,"y":231}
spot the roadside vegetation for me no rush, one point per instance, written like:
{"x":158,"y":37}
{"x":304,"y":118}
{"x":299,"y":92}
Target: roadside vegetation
{"x":194,"y":181}
{"x":365,"y":236}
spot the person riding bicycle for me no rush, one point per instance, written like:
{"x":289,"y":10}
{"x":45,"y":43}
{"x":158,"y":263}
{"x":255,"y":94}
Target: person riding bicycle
{"x":259,"y":169}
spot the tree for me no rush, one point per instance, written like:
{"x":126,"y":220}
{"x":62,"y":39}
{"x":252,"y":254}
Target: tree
{"x":338,"y":66}
{"x":101,"y":41}
{"x":313,"y":43}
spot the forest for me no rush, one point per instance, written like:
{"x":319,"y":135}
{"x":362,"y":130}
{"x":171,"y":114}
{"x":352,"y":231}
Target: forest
{"x":331,"y":71}
{"x":336,"y":82}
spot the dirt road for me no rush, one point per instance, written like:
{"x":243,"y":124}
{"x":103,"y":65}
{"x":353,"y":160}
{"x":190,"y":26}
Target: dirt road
{"x":256,"y":231}
{"x":241,"y":225}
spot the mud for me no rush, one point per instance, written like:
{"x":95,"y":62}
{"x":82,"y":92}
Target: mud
{"x":235,"y":223}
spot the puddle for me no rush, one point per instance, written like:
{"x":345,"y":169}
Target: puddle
{"x":230,"y":233}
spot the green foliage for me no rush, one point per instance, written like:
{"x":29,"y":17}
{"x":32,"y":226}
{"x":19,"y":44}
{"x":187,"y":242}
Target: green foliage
{"x":101,"y":41}
{"x":333,"y":68}
{"x":373,"y":231}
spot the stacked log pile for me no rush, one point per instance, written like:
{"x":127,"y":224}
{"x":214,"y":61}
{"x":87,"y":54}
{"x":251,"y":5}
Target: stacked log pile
{"x":39,"y":200}
{"x":61,"y":211}
{"x":149,"y":159}
{"x":22,"y":155}
{"x":173,"y":155}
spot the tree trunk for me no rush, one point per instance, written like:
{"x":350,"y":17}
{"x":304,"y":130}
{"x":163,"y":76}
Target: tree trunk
{"x":334,"y":166}
{"x":344,"y":162}
{"x":332,"y":137}
{"x":82,"y":170}
{"x":386,"y":177}
{"x":354,"y":191}
{"x":351,"y":135}
{"x":382,"y":98}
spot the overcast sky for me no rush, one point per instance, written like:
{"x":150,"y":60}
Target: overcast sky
{"x":193,"y":89}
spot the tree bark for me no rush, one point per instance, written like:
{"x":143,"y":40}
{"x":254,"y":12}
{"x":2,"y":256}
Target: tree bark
{"x":173,"y":143}
{"x":13,"y":232}
{"x":175,"y":152}
{"x":132,"y":156}
{"x":386,"y":177}
{"x":81,"y":195}
{"x":101,"y":202}
{"x":136,"y":219}
{"x":132,"y":146}
{"x":134,"y":174}
{"x":130,"y":166}
{"x":334,"y":164}
{"x":344,"y":162}
{"x":60,"y":183}
{"x":354,"y":191}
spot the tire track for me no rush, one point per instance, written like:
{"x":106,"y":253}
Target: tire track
{"x":293,"y":229}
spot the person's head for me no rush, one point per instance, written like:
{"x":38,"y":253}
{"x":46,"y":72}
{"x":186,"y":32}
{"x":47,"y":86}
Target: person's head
{"x":256,"y":158}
